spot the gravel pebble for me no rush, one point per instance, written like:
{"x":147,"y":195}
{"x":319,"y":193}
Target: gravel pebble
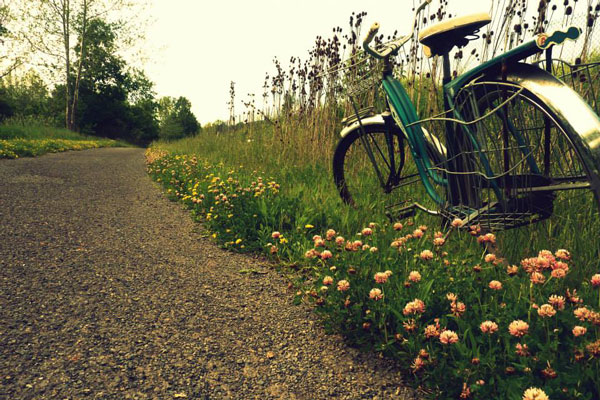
{"x":110,"y":291}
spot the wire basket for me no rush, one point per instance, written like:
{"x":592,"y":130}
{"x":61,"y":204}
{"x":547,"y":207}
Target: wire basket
{"x":489,"y":218}
{"x":363,"y":79}
{"x":359,"y":75}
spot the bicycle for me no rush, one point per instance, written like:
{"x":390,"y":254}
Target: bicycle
{"x":516,"y":138}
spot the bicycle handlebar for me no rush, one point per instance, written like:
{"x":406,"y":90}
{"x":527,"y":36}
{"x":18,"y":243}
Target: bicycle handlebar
{"x":393,"y":46}
{"x":371,"y":34}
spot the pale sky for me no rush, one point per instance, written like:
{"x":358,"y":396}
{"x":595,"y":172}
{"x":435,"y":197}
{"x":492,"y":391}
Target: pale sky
{"x":198,"y":46}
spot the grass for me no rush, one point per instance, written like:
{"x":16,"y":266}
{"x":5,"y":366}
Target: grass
{"x":311,"y":183}
{"x":29,"y":138}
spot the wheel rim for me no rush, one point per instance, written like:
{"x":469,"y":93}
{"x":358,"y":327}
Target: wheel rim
{"x":360,"y":186}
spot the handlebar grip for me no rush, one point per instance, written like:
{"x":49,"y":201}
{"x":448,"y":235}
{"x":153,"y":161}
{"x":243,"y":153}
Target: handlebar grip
{"x":372,"y":32}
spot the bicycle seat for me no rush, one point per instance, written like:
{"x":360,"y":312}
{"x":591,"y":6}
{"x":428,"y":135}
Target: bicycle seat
{"x":440,"y":38}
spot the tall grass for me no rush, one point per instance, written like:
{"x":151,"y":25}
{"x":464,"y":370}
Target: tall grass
{"x":294,"y":139}
{"x":34,"y":128}
{"x":304,"y":102}
{"x":306,"y":98}
{"x":311,"y":182}
{"x":308,"y":181}
{"x":38,"y":128}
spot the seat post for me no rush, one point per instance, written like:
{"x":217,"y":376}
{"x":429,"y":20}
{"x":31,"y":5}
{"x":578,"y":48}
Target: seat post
{"x":447,"y":74}
{"x":458,"y":187}
{"x":453,"y":184}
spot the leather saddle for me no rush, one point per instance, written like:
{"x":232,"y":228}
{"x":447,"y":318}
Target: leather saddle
{"x":440,"y":38}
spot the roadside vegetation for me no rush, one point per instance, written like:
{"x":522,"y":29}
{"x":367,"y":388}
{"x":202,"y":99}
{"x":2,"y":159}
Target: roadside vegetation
{"x":464,"y":320}
{"x":30,"y":138}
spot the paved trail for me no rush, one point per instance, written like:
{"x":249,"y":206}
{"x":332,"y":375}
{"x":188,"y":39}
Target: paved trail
{"x":110,"y":291}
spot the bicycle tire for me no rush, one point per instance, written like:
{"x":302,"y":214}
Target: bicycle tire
{"x":528,"y":148}
{"x":354,"y":174}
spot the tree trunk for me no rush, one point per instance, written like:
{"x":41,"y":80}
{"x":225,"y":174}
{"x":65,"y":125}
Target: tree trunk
{"x":66,"y":33}
{"x":80,"y":64}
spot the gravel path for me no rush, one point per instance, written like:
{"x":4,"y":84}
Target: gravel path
{"x":110,"y":291}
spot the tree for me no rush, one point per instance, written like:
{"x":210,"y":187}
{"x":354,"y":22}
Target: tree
{"x":187,"y":119}
{"x":176,"y":118}
{"x":143,"y":107}
{"x":140,"y":88}
{"x":25,"y":95}
{"x":101,"y":66}
{"x":165,"y":108}
{"x":144,"y":126}
{"x":100,"y":82}
{"x":10,"y":53}
{"x":61,"y":30}
{"x":113,"y":101}
{"x":171,"y":128}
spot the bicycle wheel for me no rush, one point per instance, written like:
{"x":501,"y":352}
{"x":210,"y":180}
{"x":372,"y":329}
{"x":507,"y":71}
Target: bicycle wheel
{"x":365,"y":186}
{"x":524,"y":166}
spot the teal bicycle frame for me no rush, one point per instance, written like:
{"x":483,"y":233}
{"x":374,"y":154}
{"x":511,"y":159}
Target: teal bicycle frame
{"x":405,"y":114}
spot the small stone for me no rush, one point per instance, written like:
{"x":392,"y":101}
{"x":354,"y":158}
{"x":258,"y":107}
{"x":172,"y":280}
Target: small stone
{"x":270,"y":354}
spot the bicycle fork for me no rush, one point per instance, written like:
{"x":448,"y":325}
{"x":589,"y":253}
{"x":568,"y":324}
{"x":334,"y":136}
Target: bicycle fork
{"x":393,"y":178}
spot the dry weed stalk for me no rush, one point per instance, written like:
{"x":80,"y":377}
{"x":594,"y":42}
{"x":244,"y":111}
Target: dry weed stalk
{"x":306,"y":101}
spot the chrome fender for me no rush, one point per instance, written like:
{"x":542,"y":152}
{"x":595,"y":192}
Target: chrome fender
{"x":374,"y":120}
{"x":379,"y":120}
{"x":579,"y":120}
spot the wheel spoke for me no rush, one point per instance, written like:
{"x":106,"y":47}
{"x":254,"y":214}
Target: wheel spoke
{"x":360,"y":186}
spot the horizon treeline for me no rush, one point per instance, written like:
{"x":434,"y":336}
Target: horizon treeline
{"x":93,"y":90}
